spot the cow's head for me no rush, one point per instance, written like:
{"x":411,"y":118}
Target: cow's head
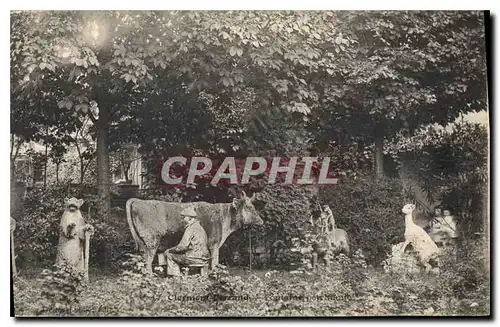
{"x":246,"y":211}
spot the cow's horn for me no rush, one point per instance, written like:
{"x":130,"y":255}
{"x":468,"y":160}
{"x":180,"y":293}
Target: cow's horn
{"x":244,"y":194}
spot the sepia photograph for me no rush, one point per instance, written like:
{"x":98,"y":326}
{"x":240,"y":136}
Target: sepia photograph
{"x":258,"y":163}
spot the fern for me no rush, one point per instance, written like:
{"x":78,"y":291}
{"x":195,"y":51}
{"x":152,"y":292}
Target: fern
{"x":418,"y":187}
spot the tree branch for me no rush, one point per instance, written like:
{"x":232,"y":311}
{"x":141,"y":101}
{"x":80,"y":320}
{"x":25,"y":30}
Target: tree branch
{"x":84,"y":124}
{"x":85,"y":167}
{"x":12,"y":142}
{"x":92,"y":118}
{"x":18,"y":147}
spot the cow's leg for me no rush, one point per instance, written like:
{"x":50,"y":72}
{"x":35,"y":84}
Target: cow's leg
{"x":149,"y":255}
{"x":214,"y":257}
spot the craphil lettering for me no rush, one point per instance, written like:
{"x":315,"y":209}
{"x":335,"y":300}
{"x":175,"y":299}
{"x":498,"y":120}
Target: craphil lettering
{"x":293,"y":170}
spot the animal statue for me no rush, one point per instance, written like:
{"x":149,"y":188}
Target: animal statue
{"x":72,"y":232}
{"x":339,"y":241}
{"x":337,"y":238}
{"x":444,"y":229}
{"x":150,"y":221}
{"x":326,"y":222}
{"x":330,"y":238}
{"x":421,"y":242}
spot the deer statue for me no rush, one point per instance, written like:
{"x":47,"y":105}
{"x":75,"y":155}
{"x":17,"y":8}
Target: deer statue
{"x":421,"y":242}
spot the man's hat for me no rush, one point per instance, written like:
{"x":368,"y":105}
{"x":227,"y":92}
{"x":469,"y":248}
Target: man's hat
{"x":189,"y":211}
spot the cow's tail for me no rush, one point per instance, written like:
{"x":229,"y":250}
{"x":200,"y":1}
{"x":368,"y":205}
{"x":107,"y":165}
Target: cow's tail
{"x":131,"y":224}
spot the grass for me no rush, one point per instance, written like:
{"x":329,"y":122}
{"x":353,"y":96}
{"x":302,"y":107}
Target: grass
{"x":240,"y":292}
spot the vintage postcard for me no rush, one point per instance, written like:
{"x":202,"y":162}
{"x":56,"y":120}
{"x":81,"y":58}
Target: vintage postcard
{"x":249,"y":163}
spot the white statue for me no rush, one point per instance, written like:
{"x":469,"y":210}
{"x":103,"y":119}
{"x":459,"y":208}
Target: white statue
{"x":422,"y":243}
{"x":326,"y":220}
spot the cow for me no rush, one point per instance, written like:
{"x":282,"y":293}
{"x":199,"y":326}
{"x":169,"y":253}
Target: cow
{"x":151,"y":220}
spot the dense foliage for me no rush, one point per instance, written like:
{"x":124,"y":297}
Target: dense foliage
{"x":62,"y":289}
{"x":370,"y":211}
{"x":452,"y":169}
{"x":286,"y":212}
{"x":275,"y":293}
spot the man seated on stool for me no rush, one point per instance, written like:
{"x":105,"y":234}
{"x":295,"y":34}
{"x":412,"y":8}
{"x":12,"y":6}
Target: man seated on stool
{"x":192,"y":249}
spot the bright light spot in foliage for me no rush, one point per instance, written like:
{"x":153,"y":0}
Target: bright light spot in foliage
{"x":65,"y":54}
{"x":95,"y":33}
{"x":95,"y":30}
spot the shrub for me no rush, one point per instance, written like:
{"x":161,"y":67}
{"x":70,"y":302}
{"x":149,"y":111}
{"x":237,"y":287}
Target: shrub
{"x":301,"y":256}
{"x":174,"y":194}
{"x":286,"y":211}
{"x":143,"y":290}
{"x":223,"y":286}
{"x":399,"y":262}
{"x":369,"y":211}
{"x":61,"y":290}
{"x":461,"y":287}
{"x":466,"y":277}
{"x":354,"y":270}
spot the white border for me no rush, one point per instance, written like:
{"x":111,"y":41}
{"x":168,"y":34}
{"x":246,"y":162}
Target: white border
{"x":256,"y":5}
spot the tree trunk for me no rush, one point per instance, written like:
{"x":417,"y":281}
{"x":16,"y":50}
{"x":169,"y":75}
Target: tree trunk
{"x":82,"y":171}
{"x":46,"y":158}
{"x":103,"y":178}
{"x":250,"y":249}
{"x":379,"y":156}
